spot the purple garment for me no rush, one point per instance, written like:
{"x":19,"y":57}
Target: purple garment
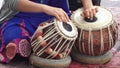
{"x":23,"y":25}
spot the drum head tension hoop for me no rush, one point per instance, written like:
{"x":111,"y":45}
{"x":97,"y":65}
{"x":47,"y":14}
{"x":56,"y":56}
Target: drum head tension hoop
{"x":89,"y":20}
{"x":67,"y":26}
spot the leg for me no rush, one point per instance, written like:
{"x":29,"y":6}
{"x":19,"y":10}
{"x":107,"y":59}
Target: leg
{"x":15,"y":29}
{"x":24,"y":48}
{"x":11,"y":51}
{"x":21,"y":47}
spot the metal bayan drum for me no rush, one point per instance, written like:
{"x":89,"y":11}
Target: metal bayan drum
{"x":95,"y":37}
{"x":52,"y":43}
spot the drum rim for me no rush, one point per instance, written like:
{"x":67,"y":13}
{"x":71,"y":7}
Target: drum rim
{"x":44,"y":61}
{"x":100,"y":59}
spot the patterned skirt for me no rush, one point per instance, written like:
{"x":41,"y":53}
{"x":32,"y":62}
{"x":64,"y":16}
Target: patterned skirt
{"x":18,"y":28}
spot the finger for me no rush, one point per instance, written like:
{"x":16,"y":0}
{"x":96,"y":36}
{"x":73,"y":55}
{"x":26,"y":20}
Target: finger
{"x":65,"y":16}
{"x":94,"y":12}
{"x":67,"y":19}
{"x":91,"y":14}
{"x":58,"y":17}
{"x":96,"y":9}
{"x":82,"y":14}
{"x":86,"y":13}
{"x":63,"y":19}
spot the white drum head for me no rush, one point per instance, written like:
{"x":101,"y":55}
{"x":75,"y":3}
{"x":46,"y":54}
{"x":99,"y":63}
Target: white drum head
{"x":104,"y":19}
{"x":66,"y":29}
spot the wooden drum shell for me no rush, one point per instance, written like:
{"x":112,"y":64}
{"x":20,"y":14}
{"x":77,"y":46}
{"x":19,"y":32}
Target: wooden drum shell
{"x":51,"y":44}
{"x":101,"y":41}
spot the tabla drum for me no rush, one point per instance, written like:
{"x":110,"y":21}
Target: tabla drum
{"x":51,"y":44}
{"x":95,"y":37}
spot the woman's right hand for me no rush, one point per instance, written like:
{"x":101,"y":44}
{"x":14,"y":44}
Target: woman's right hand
{"x":90,"y":12}
{"x":59,"y":13}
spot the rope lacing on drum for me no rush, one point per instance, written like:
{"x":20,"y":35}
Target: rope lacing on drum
{"x":79,"y":42}
{"x":110,"y":38}
{"x":102,"y":42}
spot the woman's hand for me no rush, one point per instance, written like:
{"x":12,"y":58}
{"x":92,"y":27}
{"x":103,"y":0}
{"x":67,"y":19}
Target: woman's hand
{"x":59,"y":13}
{"x":90,"y":12}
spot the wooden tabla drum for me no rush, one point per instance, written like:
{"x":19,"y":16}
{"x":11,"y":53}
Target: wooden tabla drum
{"x":51,"y":44}
{"x":95,"y":37}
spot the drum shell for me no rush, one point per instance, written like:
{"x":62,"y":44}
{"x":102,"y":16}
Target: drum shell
{"x":99,"y":42}
{"x":50,"y":42}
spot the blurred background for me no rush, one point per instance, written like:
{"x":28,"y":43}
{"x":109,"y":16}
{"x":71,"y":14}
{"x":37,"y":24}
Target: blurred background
{"x":110,"y":3}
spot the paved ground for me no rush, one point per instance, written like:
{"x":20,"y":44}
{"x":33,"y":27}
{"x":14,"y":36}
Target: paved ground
{"x":110,"y":3}
{"x":19,"y":62}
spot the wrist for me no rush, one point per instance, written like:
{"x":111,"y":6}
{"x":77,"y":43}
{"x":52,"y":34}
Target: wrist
{"x":87,"y":4}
